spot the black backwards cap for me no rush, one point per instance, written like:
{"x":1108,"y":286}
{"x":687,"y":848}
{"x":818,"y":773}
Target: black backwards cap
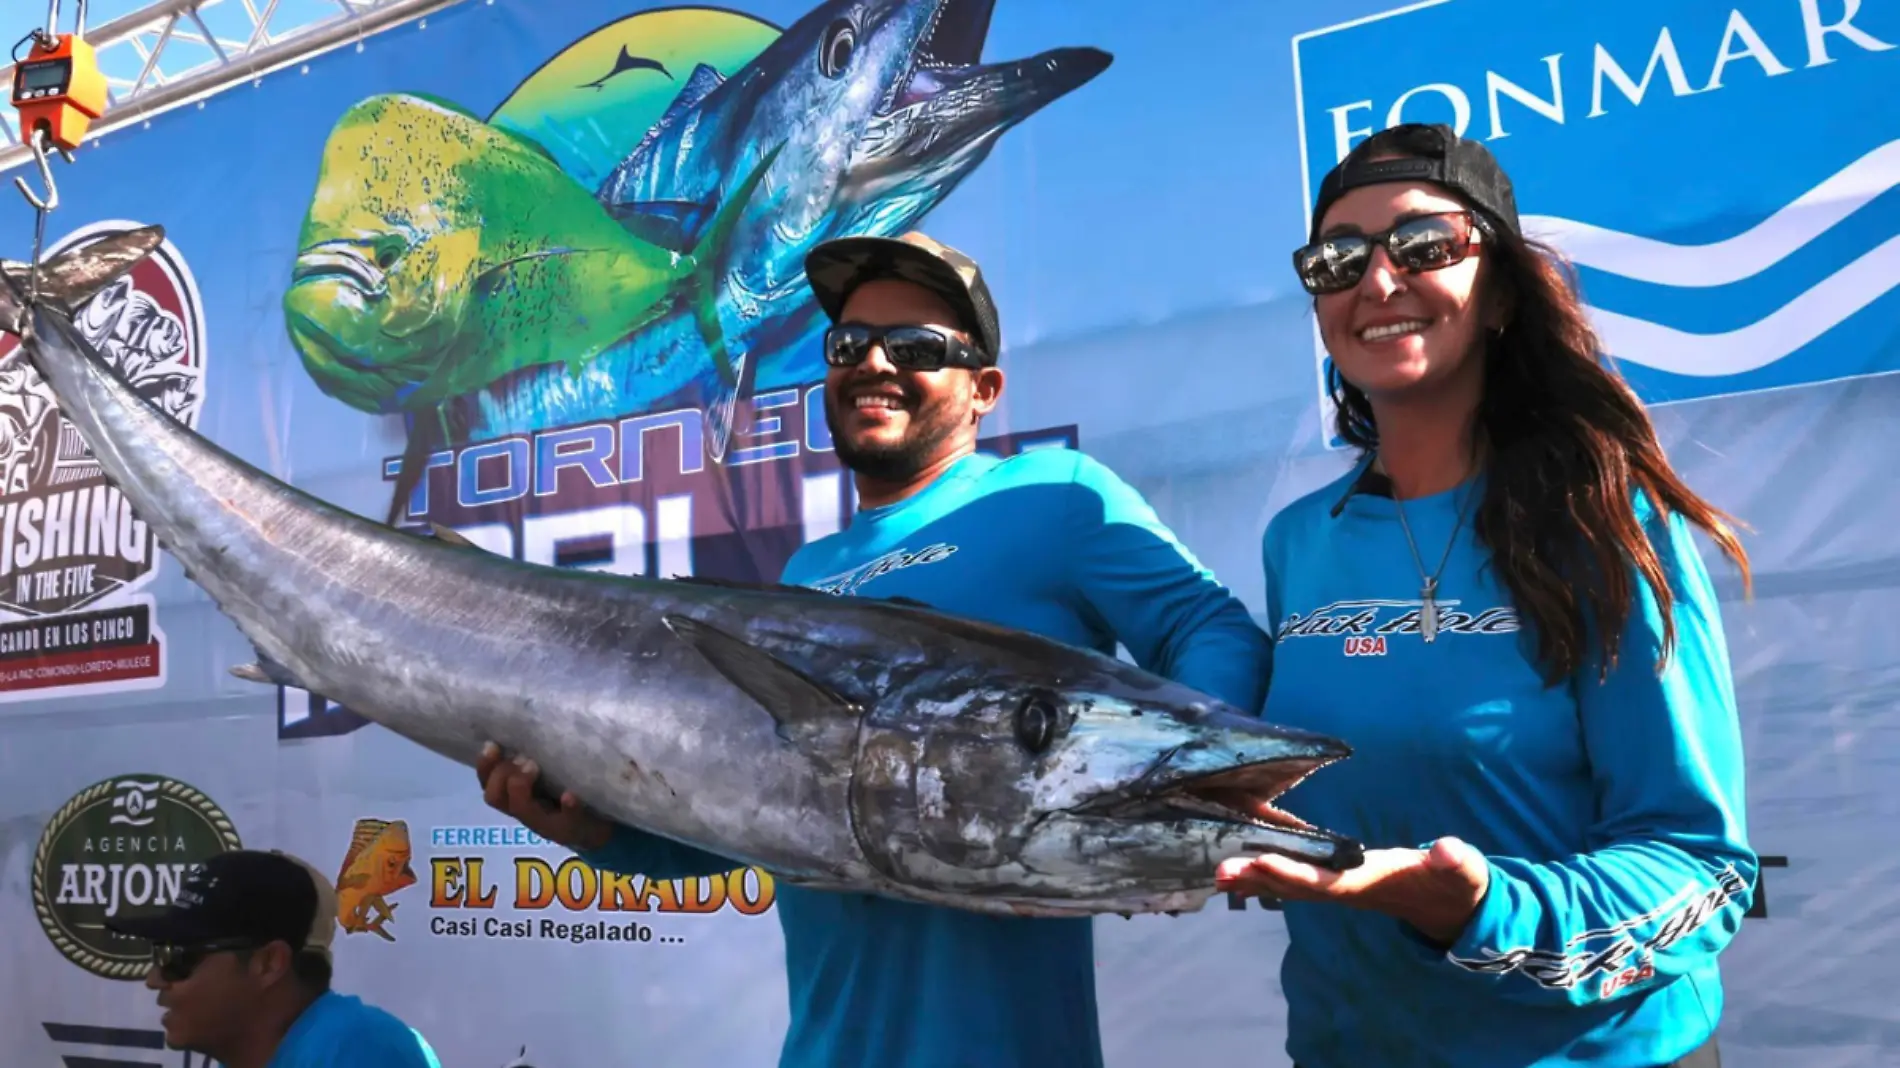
{"x":245,"y":895}
{"x":1429,"y":153}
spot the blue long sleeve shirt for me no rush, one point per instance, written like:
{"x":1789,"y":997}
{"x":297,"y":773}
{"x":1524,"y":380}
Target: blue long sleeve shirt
{"x":342,"y":1031}
{"x":1050,"y":542}
{"x":1611,"y":813}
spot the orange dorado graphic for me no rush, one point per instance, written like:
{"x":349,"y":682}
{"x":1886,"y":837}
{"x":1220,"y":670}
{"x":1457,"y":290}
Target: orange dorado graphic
{"x":376,"y":866}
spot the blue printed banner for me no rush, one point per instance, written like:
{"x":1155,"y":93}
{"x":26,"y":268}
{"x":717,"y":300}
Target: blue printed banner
{"x":1721,"y":174}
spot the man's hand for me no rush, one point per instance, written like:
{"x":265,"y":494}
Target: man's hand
{"x":508,"y":786}
{"x":1435,"y":890}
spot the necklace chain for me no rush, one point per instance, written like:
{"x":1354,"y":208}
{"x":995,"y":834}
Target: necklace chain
{"x":1428,"y":592}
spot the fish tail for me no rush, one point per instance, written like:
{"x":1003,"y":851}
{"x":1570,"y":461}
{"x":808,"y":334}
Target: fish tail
{"x":732,"y":369}
{"x":75,"y":276}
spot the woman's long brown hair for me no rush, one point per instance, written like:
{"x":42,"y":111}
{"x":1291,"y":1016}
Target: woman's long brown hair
{"x":1567,"y":442}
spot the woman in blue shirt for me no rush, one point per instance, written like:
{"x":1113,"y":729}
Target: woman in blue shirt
{"x":1502,"y":609}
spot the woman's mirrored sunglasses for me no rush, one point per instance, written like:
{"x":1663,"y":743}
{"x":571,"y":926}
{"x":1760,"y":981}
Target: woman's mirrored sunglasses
{"x":913,"y":348}
{"x":1424,"y":243}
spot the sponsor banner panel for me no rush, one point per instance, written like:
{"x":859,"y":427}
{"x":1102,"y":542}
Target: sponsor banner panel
{"x":531,"y":300}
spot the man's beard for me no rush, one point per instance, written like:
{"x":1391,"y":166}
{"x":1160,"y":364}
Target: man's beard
{"x":930,"y":425}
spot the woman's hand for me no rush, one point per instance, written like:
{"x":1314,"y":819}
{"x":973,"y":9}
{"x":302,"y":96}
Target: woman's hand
{"x":1436,"y":890}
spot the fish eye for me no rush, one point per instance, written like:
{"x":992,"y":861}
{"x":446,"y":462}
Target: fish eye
{"x":387,"y":251}
{"x":1036,"y":723}
{"x":834,"y":51}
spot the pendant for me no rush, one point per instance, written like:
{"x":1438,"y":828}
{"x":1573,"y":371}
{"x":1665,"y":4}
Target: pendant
{"x":1428,"y":611}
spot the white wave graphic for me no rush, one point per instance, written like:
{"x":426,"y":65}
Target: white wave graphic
{"x":1760,"y":343}
{"x":1746,"y":254}
{"x":1786,"y":329}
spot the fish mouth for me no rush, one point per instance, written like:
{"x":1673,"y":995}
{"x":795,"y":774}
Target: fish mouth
{"x":937,"y":120}
{"x":946,"y":64}
{"x":1240,"y":795}
{"x":340,"y":261}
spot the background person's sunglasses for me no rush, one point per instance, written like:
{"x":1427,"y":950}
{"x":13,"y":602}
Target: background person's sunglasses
{"x":1424,"y":243}
{"x":914,"y":348}
{"x":176,"y":963}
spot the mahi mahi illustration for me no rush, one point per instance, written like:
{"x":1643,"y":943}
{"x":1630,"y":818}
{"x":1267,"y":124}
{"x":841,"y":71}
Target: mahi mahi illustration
{"x":841,"y":743}
{"x":377,"y":865}
{"x":441,"y":253}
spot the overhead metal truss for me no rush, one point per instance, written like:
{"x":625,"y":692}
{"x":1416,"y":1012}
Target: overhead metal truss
{"x":165,"y":55}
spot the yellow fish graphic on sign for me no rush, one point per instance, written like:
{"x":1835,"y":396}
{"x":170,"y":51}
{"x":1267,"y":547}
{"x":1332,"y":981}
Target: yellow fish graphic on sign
{"x":376,"y":866}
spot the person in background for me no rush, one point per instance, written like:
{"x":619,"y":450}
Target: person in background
{"x":1501,"y":608}
{"x":241,"y":963}
{"x":1047,"y":541}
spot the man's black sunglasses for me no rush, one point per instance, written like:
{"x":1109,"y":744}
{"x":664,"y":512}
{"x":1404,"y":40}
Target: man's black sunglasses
{"x":913,"y":348}
{"x":1425,"y":243}
{"x":177,"y":962}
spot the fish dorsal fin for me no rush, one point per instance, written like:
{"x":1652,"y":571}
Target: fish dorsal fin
{"x":791,"y":697}
{"x":444,"y":534}
{"x":367,"y":831}
{"x":699,"y":85}
{"x":267,"y":671}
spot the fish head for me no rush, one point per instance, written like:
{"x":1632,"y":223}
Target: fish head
{"x":939,"y":120}
{"x":915,"y":111}
{"x":815,"y":92}
{"x":412,"y":202}
{"x":394,"y":870}
{"x":1110,"y":794}
{"x":877,"y":108}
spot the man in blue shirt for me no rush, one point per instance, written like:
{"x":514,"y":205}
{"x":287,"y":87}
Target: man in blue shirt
{"x":1048,"y":541}
{"x":241,"y":963}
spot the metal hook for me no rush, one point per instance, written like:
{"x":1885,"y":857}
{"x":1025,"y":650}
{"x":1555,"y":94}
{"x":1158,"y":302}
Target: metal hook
{"x":46,"y":174}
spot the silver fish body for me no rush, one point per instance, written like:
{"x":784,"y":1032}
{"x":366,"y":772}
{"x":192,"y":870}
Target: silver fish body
{"x":843,"y":743}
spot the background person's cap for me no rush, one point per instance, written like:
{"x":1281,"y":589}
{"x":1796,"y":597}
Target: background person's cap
{"x":1433,"y":153}
{"x":838,"y":266}
{"x":248,"y":895}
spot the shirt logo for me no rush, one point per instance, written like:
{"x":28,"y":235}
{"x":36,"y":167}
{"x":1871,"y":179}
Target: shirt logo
{"x":896,"y":560}
{"x":1364,"y":626}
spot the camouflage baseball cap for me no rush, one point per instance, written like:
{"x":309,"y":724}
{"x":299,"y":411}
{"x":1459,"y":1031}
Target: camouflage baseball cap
{"x":837,"y":267}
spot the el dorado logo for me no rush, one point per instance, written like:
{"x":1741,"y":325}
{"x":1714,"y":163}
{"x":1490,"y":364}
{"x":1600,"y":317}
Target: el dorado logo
{"x":72,"y":553}
{"x":529,"y":895}
{"x":121,"y":847}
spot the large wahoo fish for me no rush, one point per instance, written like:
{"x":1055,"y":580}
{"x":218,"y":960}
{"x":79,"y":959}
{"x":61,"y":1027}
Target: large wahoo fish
{"x":842,"y":743}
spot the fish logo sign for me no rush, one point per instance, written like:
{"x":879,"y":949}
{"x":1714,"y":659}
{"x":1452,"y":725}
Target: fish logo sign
{"x":73,"y":554}
{"x":1773,"y":270}
{"x":121,"y":846}
{"x":376,"y":866}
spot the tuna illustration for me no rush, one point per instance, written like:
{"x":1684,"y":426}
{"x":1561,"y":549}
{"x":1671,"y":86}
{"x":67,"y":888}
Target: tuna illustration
{"x":843,"y":743}
{"x":877,"y":111}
